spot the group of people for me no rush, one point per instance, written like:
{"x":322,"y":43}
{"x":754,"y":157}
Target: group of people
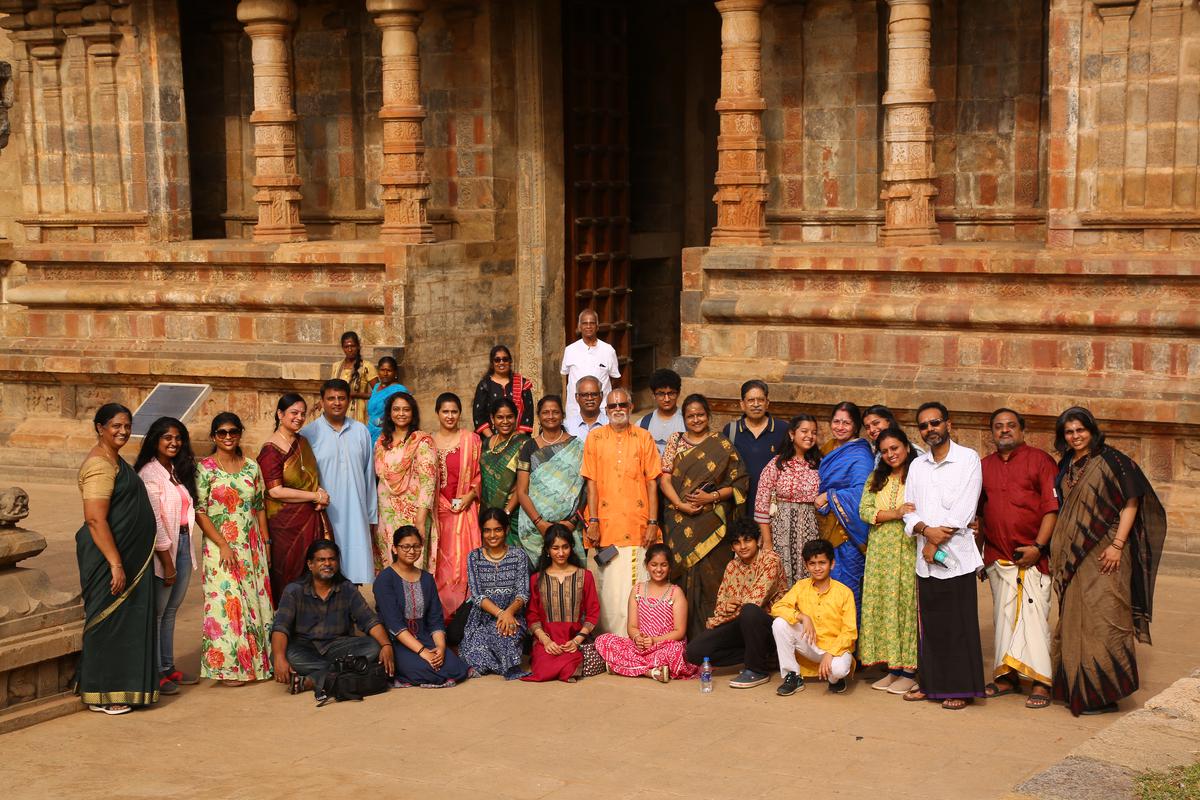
{"x":592,"y":542}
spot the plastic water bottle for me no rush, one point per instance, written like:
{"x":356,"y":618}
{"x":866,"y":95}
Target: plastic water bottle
{"x":945,"y":558}
{"x":706,"y":684}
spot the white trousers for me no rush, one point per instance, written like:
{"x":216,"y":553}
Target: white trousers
{"x":789,"y":640}
{"x":614,"y":581}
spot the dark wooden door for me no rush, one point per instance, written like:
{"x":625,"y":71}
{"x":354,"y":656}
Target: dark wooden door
{"x":596,"y":146}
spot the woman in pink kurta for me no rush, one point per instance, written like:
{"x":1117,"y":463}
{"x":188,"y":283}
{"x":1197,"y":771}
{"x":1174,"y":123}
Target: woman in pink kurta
{"x":406,"y":463}
{"x":657,"y":624}
{"x":457,"y":503}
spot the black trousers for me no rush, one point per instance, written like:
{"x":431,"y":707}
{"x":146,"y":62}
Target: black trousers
{"x":746,"y":640}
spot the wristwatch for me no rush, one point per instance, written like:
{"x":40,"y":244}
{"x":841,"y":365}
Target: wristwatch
{"x":1044,"y":549}
{"x":652,"y":522}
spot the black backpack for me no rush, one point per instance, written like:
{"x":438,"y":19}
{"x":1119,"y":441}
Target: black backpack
{"x":353,"y":678}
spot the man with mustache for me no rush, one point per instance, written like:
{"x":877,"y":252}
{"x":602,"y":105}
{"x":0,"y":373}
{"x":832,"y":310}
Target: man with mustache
{"x":943,"y":486}
{"x":1017,"y":512}
{"x":621,"y":465}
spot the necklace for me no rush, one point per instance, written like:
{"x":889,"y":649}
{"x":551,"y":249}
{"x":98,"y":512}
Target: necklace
{"x":488,"y":556}
{"x":493,"y":449}
{"x":562,"y":434}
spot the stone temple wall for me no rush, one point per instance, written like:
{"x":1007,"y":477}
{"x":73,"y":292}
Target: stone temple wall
{"x":987,"y":204}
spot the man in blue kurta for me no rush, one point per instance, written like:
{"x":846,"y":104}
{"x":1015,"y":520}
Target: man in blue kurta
{"x":342,"y":446}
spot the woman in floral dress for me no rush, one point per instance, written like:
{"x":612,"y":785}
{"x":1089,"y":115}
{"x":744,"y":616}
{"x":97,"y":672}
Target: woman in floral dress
{"x":406,"y":464}
{"x":888,"y":631}
{"x":787,"y":487}
{"x":237,"y":596}
{"x":498,"y":583}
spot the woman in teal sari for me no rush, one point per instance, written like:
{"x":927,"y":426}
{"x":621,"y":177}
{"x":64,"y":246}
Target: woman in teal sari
{"x":389,"y":372}
{"x":498,"y":462}
{"x":118,"y":668}
{"x":549,"y":486}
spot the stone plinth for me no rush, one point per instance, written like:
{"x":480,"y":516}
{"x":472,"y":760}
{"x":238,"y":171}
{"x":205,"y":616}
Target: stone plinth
{"x":972,"y":326}
{"x":41,"y":634}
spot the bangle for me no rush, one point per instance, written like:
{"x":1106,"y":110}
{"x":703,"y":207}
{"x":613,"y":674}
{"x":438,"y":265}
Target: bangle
{"x":539,"y":519}
{"x":385,"y":644}
{"x":1118,"y":545}
{"x":422,"y":650}
{"x":593,"y":519}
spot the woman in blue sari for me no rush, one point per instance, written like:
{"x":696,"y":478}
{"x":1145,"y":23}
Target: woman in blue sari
{"x":846,"y":463}
{"x":389,"y":372}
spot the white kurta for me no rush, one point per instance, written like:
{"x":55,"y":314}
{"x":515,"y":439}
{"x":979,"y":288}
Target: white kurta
{"x":344,"y":458}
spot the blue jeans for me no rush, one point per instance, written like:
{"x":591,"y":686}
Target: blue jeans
{"x":167,"y":601}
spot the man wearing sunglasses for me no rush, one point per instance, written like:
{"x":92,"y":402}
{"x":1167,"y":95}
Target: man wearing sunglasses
{"x":943,"y":485}
{"x":621,"y":465}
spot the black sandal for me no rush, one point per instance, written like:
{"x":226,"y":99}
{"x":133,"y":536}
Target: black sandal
{"x":297,"y":685}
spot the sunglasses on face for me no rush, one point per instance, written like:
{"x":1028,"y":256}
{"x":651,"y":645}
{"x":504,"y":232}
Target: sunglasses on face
{"x":932,"y":423}
{"x":501,"y":360}
{"x":617,"y":406}
{"x":227,"y":433}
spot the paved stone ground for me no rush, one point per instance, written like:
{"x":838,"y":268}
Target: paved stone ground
{"x":605,"y":737}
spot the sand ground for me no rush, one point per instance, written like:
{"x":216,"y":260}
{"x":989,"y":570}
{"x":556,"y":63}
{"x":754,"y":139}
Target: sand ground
{"x":605,"y":737}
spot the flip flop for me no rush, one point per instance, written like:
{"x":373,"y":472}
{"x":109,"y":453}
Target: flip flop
{"x":1037,"y":701}
{"x":914,"y":695}
{"x":993,"y":690}
{"x":955,"y":703}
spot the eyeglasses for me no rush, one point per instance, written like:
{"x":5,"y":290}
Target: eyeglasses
{"x":587,"y":395}
{"x":227,"y":433}
{"x":501,"y":360}
{"x":931,"y":423}
{"x":616,"y":406}
{"x":666,"y":393}
{"x":408,"y":548}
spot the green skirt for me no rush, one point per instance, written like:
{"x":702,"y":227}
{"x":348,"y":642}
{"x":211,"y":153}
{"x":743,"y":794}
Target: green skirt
{"x":119,"y":663}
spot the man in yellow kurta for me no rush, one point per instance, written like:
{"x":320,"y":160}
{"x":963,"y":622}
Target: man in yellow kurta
{"x":621,"y":465}
{"x":815,"y":620}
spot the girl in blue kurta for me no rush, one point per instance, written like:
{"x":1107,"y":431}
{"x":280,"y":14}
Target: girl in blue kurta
{"x":846,"y":464}
{"x":406,"y":599}
{"x":498,"y":585}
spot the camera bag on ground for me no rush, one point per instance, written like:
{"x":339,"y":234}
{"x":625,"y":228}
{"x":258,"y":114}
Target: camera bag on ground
{"x":353,"y":678}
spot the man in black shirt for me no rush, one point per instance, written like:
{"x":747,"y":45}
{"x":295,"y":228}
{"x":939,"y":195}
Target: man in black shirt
{"x":315,"y":621}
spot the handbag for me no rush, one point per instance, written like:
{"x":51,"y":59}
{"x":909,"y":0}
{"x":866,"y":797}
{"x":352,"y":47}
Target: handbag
{"x":593,"y":662}
{"x":352,"y":678}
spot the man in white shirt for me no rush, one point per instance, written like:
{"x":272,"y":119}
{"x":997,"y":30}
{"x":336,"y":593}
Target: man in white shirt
{"x":588,"y":356}
{"x":589,"y":415}
{"x":944,"y":486}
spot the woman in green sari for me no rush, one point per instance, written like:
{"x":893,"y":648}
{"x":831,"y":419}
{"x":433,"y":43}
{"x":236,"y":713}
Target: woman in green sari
{"x":549,"y":486}
{"x":704,"y":481}
{"x":498,"y":463}
{"x":118,"y":668}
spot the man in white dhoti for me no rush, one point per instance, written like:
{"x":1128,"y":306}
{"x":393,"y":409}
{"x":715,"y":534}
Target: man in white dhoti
{"x":1017,"y":511}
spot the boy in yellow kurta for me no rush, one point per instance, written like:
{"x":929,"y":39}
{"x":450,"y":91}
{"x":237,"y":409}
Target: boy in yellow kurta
{"x":815,"y":620}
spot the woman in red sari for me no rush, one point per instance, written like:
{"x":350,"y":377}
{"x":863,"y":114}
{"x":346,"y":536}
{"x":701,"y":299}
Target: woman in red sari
{"x":295,"y":501}
{"x":563,"y":610}
{"x":457,"y":502}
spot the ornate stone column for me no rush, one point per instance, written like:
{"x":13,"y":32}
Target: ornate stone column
{"x":741,"y":177}
{"x":404,"y":178}
{"x":909,"y":175}
{"x":276,"y":176}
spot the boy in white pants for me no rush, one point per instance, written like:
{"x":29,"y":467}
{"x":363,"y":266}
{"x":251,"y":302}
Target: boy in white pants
{"x":815,"y":620}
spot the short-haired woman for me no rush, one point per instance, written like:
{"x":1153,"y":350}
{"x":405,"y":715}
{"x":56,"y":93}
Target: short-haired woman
{"x":407,"y":601}
{"x":231,"y":512}
{"x":657,"y":643}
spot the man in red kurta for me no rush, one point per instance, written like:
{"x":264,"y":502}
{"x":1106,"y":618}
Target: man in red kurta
{"x":1017,"y":511}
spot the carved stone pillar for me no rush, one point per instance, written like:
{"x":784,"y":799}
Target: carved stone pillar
{"x":276,"y":176}
{"x":404,"y":178}
{"x":741,"y":177}
{"x":909,"y":175}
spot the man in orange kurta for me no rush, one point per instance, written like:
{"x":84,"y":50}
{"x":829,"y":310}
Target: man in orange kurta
{"x":621,"y":465}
